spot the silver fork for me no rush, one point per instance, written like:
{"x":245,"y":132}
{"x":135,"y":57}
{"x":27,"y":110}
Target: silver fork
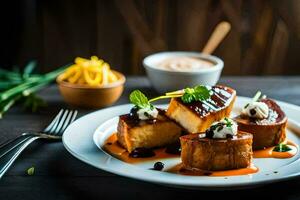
{"x":10,"y":151}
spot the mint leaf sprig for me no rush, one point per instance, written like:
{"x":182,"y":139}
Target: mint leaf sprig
{"x":188,"y":95}
{"x":138,"y":98}
{"x":198,"y":93}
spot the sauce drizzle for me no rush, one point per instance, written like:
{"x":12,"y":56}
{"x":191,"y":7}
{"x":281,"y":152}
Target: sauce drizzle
{"x":269,"y":153}
{"x":115,"y":149}
{"x":112,"y":147}
{"x":179,"y":169}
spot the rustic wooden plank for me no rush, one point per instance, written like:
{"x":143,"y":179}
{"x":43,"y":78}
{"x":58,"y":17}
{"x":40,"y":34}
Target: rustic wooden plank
{"x":276,"y":58}
{"x":139,"y":28}
{"x":192,"y":24}
{"x":160,"y":19}
{"x":110,"y":36}
{"x":255,"y":55}
{"x":64,"y":28}
{"x":54,"y":32}
{"x":233,"y":14}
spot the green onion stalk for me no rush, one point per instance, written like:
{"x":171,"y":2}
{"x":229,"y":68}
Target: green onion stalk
{"x":23,"y":85}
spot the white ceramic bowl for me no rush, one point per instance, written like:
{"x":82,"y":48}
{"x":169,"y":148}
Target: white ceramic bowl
{"x":165,"y":80}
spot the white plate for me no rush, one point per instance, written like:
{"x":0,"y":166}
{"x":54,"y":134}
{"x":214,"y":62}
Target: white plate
{"x":97,"y":126}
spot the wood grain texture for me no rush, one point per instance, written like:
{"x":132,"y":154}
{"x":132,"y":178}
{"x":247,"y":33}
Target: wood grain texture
{"x":123,"y":32}
{"x":58,"y":175}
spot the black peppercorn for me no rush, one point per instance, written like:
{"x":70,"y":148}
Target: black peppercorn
{"x":158,"y":166}
{"x":252,"y":111}
{"x":141,"y":152}
{"x":209,"y":133}
{"x":229,"y":136}
{"x":133,"y":112}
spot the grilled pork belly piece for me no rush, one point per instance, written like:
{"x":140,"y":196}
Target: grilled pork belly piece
{"x":197,"y":116}
{"x":266,"y":132}
{"x":134,"y":133}
{"x":216,"y":154}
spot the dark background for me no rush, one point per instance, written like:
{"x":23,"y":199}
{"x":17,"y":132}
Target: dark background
{"x":264,"y":40}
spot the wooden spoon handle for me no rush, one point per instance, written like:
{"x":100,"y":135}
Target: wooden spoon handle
{"x":217,"y":36}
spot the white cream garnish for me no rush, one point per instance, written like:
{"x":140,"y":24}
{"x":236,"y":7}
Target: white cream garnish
{"x":224,"y":128}
{"x":147,"y":113}
{"x":258,"y":110}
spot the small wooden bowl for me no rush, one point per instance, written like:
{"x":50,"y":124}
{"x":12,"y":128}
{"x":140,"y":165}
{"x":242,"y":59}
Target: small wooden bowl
{"x":91,"y":97}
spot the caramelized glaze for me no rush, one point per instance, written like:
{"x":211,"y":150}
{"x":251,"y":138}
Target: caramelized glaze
{"x":219,"y":99}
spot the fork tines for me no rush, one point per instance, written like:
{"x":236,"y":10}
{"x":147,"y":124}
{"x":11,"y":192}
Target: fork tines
{"x":61,"y":121}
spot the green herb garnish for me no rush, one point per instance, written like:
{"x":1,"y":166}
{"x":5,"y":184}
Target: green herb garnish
{"x":282,"y":148}
{"x":219,"y":125}
{"x":139,"y":99}
{"x":228,"y":122}
{"x":198,"y":93}
{"x":188,"y":95}
{"x":30,"y":171}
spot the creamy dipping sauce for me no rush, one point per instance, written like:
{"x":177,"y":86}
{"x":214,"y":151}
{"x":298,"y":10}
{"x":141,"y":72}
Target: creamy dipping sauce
{"x":184,"y":63}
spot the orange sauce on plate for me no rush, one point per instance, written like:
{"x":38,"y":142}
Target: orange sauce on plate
{"x":112,"y":147}
{"x":269,"y":153}
{"x":115,"y":149}
{"x":179,"y":169}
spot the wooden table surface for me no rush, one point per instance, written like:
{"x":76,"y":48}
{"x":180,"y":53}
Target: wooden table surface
{"x":58,"y":175}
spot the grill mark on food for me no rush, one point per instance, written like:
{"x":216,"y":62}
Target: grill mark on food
{"x":218,"y":95}
{"x":220,"y":98}
{"x":213,"y":104}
